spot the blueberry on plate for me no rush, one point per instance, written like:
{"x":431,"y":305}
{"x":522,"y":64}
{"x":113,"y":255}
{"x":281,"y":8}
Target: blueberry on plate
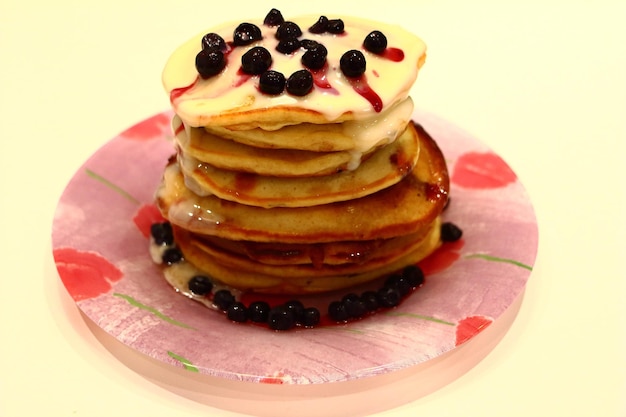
{"x":259,"y":311}
{"x":450,"y":232}
{"x":200,"y":285}
{"x":223,"y":299}
{"x":281,"y":318}
{"x":388,"y":297}
{"x":172,"y":256}
{"x":414,"y":275}
{"x":337,"y":311}
{"x":162,"y":233}
{"x":310,"y":317}
{"x":237,"y":312}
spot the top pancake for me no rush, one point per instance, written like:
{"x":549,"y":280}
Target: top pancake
{"x":232,"y":98}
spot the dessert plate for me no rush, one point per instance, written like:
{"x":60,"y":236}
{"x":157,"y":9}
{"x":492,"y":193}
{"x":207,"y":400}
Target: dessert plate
{"x":100,"y":242}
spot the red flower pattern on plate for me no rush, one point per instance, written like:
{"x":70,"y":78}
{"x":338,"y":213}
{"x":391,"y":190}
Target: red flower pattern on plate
{"x":145,"y":217}
{"x":149,"y":128}
{"x":470,"y":327}
{"x":85,"y":274}
{"x":482,"y":170}
{"x":276,"y":378}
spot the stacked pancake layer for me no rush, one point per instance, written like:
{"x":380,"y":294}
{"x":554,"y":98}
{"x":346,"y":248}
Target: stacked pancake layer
{"x":298,"y":194}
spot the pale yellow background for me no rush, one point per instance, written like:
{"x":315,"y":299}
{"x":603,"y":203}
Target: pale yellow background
{"x":541,"y":82}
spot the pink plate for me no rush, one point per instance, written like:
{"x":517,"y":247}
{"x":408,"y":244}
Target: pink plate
{"x":100,"y":242}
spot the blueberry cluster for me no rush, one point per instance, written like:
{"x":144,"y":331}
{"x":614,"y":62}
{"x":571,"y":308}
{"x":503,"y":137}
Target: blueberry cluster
{"x":280,"y":317}
{"x":397,"y":286}
{"x":164,"y":236}
{"x":211,"y":60}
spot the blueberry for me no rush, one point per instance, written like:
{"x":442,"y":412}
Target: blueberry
{"x":273,"y":18}
{"x":320,"y":26}
{"x":300,"y":83}
{"x":172,"y":256}
{"x":375,"y":42}
{"x":237,"y":312}
{"x":210,"y":62}
{"x":272,"y":82}
{"x":223,"y":299}
{"x":315,"y":57}
{"x":400,"y":283}
{"x":354,"y":306}
{"x":246,"y":33}
{"x":256,"y":61}
{"x":200,"y":285}
{"x":352,"y":63}
{"x":259,"y":311}
{"x":414,"y":275}
{"x":288,"y":30}
{"x":310,"y":317}
{"x":280,"y":318}
{"x":450,"y":232}
{"x":349,"y":298}
{"x":308,"y":43}
{"x":337,"y":311}
{"x":388,"y":297}
{"x":162,"y":233}
{"x":296,"y":307}
{"x":370,"y":300}
{"x":288,"y":45}
{"x":335,"y":26}
{"x":213,"y":41}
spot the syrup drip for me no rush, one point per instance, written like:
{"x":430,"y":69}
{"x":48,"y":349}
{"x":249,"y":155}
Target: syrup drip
{"x":393,"y":54}
{"x":177,"y":92}
{"x":321,"y":81}
{"x":179,"y":129}
{"x":242,"y":78}
{"x":435,"y":192}
{"x":361,"y":86}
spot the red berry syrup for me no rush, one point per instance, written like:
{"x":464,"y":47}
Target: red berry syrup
{"x":360,"y":85}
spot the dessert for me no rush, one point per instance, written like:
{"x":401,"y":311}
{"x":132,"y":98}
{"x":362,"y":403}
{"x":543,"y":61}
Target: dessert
{"x":298,"y":168}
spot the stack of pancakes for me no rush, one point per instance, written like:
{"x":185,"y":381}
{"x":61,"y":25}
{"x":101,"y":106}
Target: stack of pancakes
{"x":294,"y":195}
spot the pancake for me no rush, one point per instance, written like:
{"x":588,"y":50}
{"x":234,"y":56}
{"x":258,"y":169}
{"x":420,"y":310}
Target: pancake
{"x":316,"y":254}
{"x":303,"y":136}
{"x":232,"y":97}
{"x":382,"y":169}
{"x":247,"y":275}
{"x":401,"y":209}
{"x":355,"y":135}
{"x":234,"y":156}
